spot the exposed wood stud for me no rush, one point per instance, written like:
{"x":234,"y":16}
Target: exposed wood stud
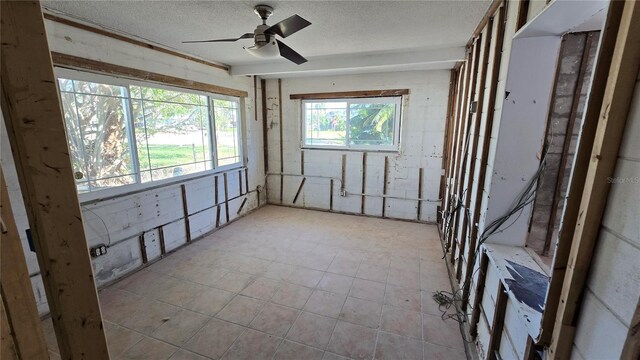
{"x":530,"y":349}
{"x":482,"y":278}
{"x":523,"y":12}
{"x":350,"y":94}
{"x":36,"y":130}
{"x":17,"y":292}
{"x":75,"y":62}
{"x":490,"y":11}
{"x":497,"y":323}
{"x":617,"y":99}
{"x":265,"y":127}
{"x":185,"y":211}
{"x":364,"y":181}
{"x":295,"y":199}
{"x":301,"y":162}
{"x":113,"y":35}
{"x":384,"y":185}
{"x":255,"y":98}
{"x":143,"y":249}
{"x":493,"y":89}
{"x":420,"y":182}
{"x":244,"y":201}
{"x":631,"y":348}
{"x":218,"y":216}
{"x":8,"y":349}
{"x":281,"y":141}
{"x":226,"y":197}
{"x":163,"y":249}
{"x":246,"y":179}
{"x":331,"y":195}
{"x":240,"y":182}
{"x":215,"y":190}
{"x":344,"y":174}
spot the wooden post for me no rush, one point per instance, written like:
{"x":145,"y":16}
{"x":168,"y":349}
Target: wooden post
{"x":301,"y":162}
{"x":281,"y":141}
{"x":185,"y":212}
{"x":364,"y":181}
{"x":331,"y":195}
{"x":8,"y":349}
{"x":384,"y":185}
{"x":265,"y":127}
{"x":497,"y":323}
{"x":163,"y":247}
{"x":420,"y":181}
{"x":17,"y":293}
{"x":482,"y":278}
{"x":240,"y":183}
{"x":623,"y":74}
{"x":32,"y":113}
{"x":631,"y":348}
{"x":226,"y":198}
{"x":344,"y":174}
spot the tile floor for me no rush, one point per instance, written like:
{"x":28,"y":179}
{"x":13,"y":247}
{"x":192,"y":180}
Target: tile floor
{"x":286,"y":283}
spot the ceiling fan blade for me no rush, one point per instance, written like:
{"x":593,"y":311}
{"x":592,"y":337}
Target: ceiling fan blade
{"x":288,"y":26}
{"x":290,"y":54}
{"x":245,"y":36}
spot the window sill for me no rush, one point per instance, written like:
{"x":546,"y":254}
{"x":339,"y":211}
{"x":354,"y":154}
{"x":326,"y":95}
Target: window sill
{"x":120,"y":191}
{"x":525,"y":281}
{"x":393,"y":151}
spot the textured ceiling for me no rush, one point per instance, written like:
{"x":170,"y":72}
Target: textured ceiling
{"x":339,"y":27}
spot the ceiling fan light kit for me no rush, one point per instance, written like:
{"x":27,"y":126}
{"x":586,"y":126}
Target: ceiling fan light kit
{"x":266,"y":45}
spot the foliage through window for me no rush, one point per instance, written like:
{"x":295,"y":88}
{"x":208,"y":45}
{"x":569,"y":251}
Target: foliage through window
{"x":131,"y":133}
{"x":367,"y":123}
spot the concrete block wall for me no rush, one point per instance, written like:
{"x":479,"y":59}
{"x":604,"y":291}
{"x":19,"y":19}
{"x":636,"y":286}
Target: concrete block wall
{"x":421,"y":142}
{"x":121,"y":220}
{"x":613,"y":285}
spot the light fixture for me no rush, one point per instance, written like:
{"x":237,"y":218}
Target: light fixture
{"x":269,"y":50}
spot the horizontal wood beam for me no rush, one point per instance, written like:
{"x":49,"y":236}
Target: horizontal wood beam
{"x":350,"y":94}
{"x":36,"y":131}
{"x":78,"y":63}
{"x":129,"y":40}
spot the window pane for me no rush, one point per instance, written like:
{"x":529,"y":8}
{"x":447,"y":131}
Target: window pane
{"x":325,"y":123}
{"x":97,"y":133}
{"x":371,"y":124}
{"x":227,"y":143}
{"x":172,"y":138}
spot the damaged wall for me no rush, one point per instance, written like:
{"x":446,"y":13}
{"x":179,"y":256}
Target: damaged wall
{"x":421,"y":142}
{"x":119,"y":221}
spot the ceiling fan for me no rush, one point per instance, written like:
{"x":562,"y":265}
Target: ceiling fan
{"x":265,"y":43}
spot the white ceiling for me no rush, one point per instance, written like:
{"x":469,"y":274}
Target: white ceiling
{"x":340,"y":28}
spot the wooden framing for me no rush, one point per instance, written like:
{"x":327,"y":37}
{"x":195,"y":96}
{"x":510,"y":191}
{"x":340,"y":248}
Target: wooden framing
{"x":32,"y":113}
{"x":226,"y":197}
{"x":363,"y":198}
{"x":265,"y":127}
{"x":100,"y":67}
{"x":255,"y":98}
{"x":185,"y":211}
{"x":497,"y":325}
{"x":7,"y":345}
{"x":129,"y":40}
{"x":482,"y":279}
{"x":631,"y":349}
{"x":295,"y":198}
{"x":384,"y":185}
{"x":495,"y":4}
{"x":493,"y":89}
{"x":420,"y":181}
{"x":350,"y":94}
{"x":23,"y":322}
{"x":623,"y":73}
{"x":344,"y":173}
{"x":281,"y":140}
{"x":331,"y":194}
{"x":446,"y":205}
{"x":523,"y":13}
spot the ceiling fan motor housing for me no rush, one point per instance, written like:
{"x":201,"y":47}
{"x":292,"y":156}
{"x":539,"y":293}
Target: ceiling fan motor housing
{"x":260,"y":37}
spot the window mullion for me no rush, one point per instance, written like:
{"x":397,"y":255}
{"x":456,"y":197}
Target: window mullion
{"x":214,"y":138}
{"x":348,"y":125}
{"x":133,"y":145}
{"x":82,"y":139}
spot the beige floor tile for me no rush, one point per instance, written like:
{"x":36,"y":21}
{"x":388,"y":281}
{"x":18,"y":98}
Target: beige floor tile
{"x":401,"y":322}
{"x":289,"y":350}
{"x":292,"y":295}
{"x":325,"y":303}
{"x":361,"y":312}
{"x":339,"y":284}
{"x":275,"y":319}
{"x":149,"y":349}
{"x":186,"y":355}
{"x":305,"y":277}
{"x":253,"y":345}
{"x":343,"y":266}
{"x":234,"y":281}
{"x":253,"y":265}
{"x":262,"y":288}
{"x":373,"y":272}
{"x":403,"y":297}
{"x":353,"y":341}
{"x":439,"y":352}
{"x":179,"y":292}
{"x":118,"y":305}
{"x":331,"y":356}
{"x":205,"y":275}
{"x":442,"y":332}
{"x":210,"y":301}
{"x":403,"y":278}
{"x":241,"y":310}
{"x":149,"y":316}
{"x":214,"y":338}
{"x":429,"y":305}
{"x":405,"y":264}
{"x":393,"y":347}
{"x":368,"y":290}
{"x":311,"y":329}
{"x":119,"y":339}
{"x":180,"y":327}
{"x":278,"y":271}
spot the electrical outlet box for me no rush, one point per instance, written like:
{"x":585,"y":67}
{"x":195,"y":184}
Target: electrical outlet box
{"x":343,"y":193}
{"x":98,"y":250}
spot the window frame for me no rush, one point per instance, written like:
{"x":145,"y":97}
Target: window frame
{"x":138,"y":185}
{"x":395,"y":147}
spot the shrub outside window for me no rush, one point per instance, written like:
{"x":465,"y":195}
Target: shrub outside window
{"x":123,"y":132}
{"x":359,"y":124}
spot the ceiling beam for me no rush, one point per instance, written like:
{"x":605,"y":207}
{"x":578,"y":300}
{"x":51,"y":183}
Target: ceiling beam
{"x":444,"y":58}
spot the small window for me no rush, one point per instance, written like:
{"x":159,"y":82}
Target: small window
{"x":367,"y":123}
{"x":123,"y":133}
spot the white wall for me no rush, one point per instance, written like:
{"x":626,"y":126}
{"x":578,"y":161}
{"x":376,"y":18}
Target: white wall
{"x":422,"y":137}
{"x":613,"y":287}
{"x":128,"y":216}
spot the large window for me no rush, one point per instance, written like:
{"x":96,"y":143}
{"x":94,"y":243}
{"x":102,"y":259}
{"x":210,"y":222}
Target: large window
{"x":123,"y":133}
{"x":367,"y":123}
